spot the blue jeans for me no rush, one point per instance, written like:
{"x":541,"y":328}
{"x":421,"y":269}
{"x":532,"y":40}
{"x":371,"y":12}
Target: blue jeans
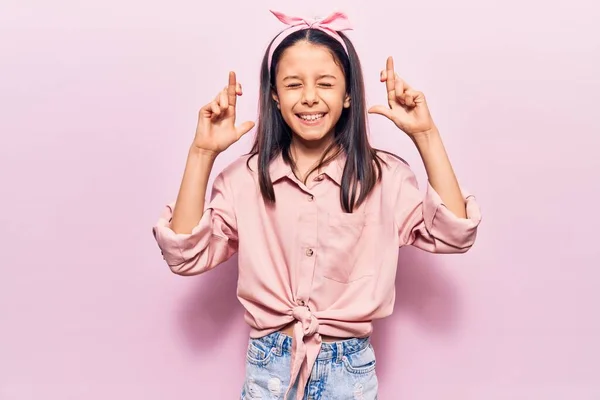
{"x":344,"y":370}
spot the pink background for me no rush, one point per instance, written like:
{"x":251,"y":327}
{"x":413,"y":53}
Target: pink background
{"x":98,"y":104}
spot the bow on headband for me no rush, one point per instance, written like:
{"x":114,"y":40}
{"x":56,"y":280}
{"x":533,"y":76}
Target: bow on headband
{"x":337,"y":21}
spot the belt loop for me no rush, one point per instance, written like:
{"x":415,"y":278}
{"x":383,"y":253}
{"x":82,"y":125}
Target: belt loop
{"x":279,"y":343}
{"x":340,"y":351}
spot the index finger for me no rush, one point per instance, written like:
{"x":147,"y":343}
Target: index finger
{"x":231,"y":89}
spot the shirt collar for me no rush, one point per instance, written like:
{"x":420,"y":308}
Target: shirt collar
{"x":334,"y":170}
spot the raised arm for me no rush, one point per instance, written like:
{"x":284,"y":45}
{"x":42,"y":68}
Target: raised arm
{"x":195,"y":237}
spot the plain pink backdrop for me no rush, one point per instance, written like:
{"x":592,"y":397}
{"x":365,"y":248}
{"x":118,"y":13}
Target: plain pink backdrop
{"x":98,"y":104}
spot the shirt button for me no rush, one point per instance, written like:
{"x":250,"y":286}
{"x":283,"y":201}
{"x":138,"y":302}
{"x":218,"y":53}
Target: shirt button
{"x":301,"y":303}
{"x":309,"y":252}
{"x":319,"y":178}
{"x":311,"y":198}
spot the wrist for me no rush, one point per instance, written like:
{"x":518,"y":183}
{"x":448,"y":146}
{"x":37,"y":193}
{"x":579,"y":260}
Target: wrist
{"x":198,"y":152}
{"x":202,"y":158}
{"x":426,"y":138}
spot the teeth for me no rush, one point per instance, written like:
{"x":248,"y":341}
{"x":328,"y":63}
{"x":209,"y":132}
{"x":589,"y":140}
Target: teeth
{"x":313,"y":117}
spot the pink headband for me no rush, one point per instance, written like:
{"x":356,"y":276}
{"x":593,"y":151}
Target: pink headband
{"x":337,"y":21}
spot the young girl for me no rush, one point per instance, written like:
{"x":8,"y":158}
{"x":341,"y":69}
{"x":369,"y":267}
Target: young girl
{"x":315,"y":213}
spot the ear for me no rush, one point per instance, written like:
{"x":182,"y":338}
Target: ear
{"x":347,"y":101}
{"x":275,"y":97}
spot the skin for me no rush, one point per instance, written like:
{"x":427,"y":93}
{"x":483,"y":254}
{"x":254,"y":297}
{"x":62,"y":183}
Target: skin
{"x":407,"y":109}
{"x":215,"y":132}
{"x":308,"y":81}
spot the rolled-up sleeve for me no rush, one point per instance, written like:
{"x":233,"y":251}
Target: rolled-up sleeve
{"x":425,"y":221}
{"x":212,"y":241}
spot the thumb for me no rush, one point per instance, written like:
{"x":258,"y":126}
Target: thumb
{"x":381,"y":110}
{"x":243,"y":128}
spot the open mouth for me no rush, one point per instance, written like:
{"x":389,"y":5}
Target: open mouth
{"x":311,"y":119}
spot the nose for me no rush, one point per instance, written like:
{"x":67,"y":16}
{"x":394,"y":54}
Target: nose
{"x":309,"y":96}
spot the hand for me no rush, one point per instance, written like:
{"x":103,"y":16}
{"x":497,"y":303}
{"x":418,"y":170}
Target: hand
{"x":216,"y":129}
{"x":407,"y":107}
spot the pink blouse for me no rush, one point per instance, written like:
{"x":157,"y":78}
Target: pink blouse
{"x":306,"y":260}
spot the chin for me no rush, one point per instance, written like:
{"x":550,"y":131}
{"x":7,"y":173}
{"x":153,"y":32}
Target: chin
{"x":312,"y":138}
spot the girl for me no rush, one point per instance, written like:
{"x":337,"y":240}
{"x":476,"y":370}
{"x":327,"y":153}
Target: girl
{"x":315,"y":213}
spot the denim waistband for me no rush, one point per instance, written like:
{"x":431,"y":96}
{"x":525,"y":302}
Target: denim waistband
{"x":282,"y":344}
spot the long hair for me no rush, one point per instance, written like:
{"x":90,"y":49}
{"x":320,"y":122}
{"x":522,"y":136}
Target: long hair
{"x":274,"y":136}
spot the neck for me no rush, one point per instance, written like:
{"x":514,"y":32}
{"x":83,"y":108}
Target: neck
{"x":306,"y":155}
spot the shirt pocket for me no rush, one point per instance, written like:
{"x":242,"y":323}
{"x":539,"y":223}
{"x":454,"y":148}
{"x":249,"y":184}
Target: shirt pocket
{"x":348,"y":247}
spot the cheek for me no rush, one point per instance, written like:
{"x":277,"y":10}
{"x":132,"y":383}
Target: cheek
{"x":335,"y":98}
{"x":288,"y":97}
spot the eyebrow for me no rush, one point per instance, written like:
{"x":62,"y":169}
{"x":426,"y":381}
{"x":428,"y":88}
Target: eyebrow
{"x":320,"y":77}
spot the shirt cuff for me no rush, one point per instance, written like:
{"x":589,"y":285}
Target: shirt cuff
{"x":174,"y":246}
{"x":444,"y":225}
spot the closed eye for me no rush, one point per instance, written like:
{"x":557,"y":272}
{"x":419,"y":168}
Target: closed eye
{"x":296,"y":85}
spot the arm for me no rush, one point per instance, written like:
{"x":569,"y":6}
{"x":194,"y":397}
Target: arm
{"x":439,"y":171}
{"x":194,"y":238}
{"x":444,"y":221}
{"x":210,"y":241}
{"x":426,"y":222}
{"x":189,"y":205}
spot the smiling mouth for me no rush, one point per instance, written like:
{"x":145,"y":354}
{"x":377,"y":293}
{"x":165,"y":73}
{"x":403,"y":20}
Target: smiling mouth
{"x":311,"y":117}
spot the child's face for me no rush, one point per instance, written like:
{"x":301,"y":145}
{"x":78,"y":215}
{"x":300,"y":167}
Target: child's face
{"x":311,"y":91}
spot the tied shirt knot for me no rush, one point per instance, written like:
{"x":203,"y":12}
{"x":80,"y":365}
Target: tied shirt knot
{"x":310,"y":324}
{"x":306,"y":344}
